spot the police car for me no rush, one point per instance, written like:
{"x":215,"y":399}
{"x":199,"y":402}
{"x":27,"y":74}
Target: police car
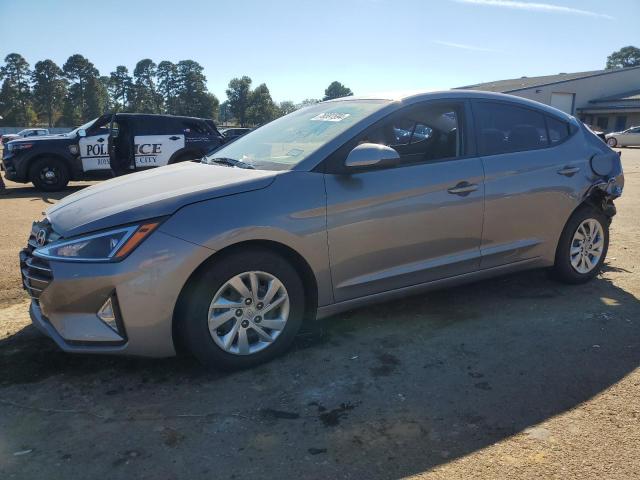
{"x":113,"y":143}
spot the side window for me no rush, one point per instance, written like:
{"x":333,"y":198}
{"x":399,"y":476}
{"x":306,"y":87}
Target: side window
{"x":115,"y":129}
{"x":420,"y":134}
{"x":504,"y":128}
{"x":195,"y":127}
{"x":558,"y":130}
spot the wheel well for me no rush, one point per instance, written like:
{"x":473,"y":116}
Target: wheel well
{"x":307,"y":276}
{"x":47,"y":155}
{"x":599,"y":199}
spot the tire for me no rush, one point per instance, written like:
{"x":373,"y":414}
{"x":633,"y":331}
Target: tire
{"x":49,"y":174}
{"x":212,"y":284}
{"x":612,"y":142}
{"x":564,"y":268}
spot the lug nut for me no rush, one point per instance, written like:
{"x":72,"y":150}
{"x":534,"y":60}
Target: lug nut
{"x":239,"y":312}
{"x":247,"y":301}
{"x":260,"y":305}
{"x":245,"y":323}
{"x":258,"y":319}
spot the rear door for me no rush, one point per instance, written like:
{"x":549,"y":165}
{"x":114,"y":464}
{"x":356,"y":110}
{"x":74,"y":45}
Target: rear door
{"x":534,"y":175}
{"x":411,"y":224}
{"x":156,"y":139}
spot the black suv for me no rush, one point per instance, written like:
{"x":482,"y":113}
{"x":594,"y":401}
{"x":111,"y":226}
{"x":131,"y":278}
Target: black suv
{"x":113,"y":143}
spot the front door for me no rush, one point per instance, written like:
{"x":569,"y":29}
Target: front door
{"x":94,"y":147}
{"x":411,"y":224}
{"x":631,"y":137}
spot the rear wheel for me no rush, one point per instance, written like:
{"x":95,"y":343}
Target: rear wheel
{"x":49,"y":174}
{"x":612,"y":142}
{"x":583,"y":246}
{"x":244,"y":310}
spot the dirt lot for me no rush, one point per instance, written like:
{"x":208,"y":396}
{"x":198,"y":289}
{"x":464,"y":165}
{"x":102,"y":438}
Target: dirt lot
{"x":517,"y":377}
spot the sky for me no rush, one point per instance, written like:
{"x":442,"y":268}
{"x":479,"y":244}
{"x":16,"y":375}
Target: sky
{"x":298,"y":47}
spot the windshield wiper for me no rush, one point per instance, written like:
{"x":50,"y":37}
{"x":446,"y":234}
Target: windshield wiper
{"x":230,"y":162}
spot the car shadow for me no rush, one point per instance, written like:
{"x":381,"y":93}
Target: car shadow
{"x":37,"y":195}
{"x":384,"y":391}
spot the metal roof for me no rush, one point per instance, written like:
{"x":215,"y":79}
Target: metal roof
{"x":633,"y":95}
{"x":523,"y":83}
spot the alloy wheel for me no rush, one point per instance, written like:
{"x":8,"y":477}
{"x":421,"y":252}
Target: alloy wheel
{"x":248,"y":313}
{"x":587,"y":246}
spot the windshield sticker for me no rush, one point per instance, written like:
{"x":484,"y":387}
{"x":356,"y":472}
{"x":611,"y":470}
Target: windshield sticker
{"x":330,"y":117}
{"x":294,"y":152}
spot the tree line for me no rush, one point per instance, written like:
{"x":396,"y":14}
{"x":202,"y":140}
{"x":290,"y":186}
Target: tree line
{"x":75,"y":93}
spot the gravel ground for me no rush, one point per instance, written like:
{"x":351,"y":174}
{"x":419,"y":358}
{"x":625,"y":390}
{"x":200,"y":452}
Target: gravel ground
{"x":517,"y":377}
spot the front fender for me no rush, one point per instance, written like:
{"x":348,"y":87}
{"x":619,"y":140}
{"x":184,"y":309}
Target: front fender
{"x":291,"y":212}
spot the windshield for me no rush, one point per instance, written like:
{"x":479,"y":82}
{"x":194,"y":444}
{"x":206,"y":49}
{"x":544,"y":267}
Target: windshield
{"x":287,"y":141}
{"x":82,"y":127}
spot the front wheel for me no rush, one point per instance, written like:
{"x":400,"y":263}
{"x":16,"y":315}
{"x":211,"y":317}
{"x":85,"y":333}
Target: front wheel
{"x":612,"y":142}
{"x":244,"y":310}
{"x":49,"y":174}
{"x":583,"y":246}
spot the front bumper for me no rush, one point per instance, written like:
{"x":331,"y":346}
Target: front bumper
{"x":146,"y":285}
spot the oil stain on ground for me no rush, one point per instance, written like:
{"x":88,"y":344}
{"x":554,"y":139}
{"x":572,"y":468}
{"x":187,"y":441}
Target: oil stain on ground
{"x":387,"y":365}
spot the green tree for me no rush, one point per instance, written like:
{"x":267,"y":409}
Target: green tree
{"x":146,"y":98}
{"x":261,"y":108}
{"x":120,"y":88}
{"x":625,"y":57}
{"x":239,"y":94}
{"x":286,"y":107}
{"x":307,"y":102}
{"x":82,"y":75}
{"x":336,"y":90}
{"x":97,"y":97}
{"x":16,"y":92}
{"x":49,"y":89}
{"x":193,"y":98}
{"x":167,"y":77}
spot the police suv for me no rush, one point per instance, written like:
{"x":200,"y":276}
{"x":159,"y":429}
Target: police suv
{"x":113,"y":143}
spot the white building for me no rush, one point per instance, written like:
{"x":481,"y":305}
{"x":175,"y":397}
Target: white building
{"x":608,"y":99}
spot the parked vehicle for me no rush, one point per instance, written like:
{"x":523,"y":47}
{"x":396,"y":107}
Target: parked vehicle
{"x":230,"y":134}
{"x":27,"y":132}
{"x":331,"y":207}
{"x":597,"y":132}
{"x":120,"y":143}
{"x":629,"y":138}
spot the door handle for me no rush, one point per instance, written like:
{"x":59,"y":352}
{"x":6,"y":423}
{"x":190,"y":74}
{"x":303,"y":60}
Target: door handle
{"x":174,"y":138}
{"x":568,"y":171}
{"x":463,"y":188}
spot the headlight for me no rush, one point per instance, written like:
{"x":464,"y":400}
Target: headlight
{"x":18,"y":146}
{"x":113,"y":245}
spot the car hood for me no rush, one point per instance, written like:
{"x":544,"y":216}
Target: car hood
{"x":39,"y":138}
{"x":150,"y":194}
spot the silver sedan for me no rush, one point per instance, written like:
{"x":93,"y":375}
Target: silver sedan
{"x":334,"y":206}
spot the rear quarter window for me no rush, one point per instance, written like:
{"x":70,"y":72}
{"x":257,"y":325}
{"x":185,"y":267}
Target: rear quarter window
{"x":559,"y":130}
{"x":505,"y":128}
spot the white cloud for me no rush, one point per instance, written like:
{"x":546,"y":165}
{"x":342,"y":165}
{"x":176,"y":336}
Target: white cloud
{"x":463,"y":46}
{"x":535,"y":7}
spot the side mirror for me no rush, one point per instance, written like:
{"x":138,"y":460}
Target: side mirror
{"x":372,"y":155}
{"x":82,"y":132}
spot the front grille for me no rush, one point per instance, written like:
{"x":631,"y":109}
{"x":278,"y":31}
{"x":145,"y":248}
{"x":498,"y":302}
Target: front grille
{"x":36,"y":272}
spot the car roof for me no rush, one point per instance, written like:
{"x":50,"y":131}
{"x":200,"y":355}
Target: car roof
{"x":409,"y":97}
{"x":159,"y":115}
